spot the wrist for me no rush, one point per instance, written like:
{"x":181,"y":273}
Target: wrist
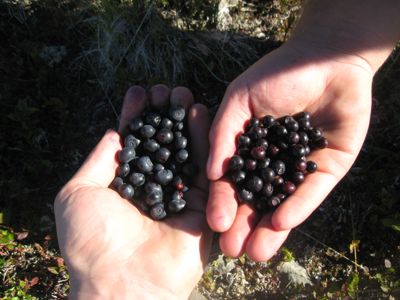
{"x":117,"y":288}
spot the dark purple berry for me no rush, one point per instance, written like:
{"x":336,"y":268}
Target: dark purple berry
{"x":304,"y":124}
{"x":281,"y":196}
{"x":245,"y":196}
{"x":303,"y":138}
{"x":144,"y":164}
{"x":151,"y":145}
{"x":181,"y":156}
{"x":292,"y":126}
{"x":164,"y":136}
{"x":244,"y":141}
{"x":117,"y":181}
{"x":131,"y":141}
{"x":238,"y":176}
{"x":126,"y":154}
{"x":147,"y":131}
{"x":162,"y":155}
{"x":262,"y":164}
{"x":282,"y":145}
{"x":315,"y":134}
{"x":302,"y":115}
{"x":178,"y":126}
{"x":256,"y":133}
{"x":176,"y":205}
{"x":180,"y":142}
{"x":268,"y":174}
{"x":307,"y":150}
{"x":298,"y":150}
{"x":164,"y":177}
{"x":300,"y":165}
{"x":250,"y":164}
{"x":158,"y":167}
{"x":253,"y":122}
{"x":288,"y":188}
{"x":298,"y":177}
{"x":123,"y":170}
{"x":157,"y":212}
{"x":236,"y":163}
{"x":279,"y":167}
{"x":278,"y":180}
{"x":272,"y":150}
{"x":273,"y":201}
{"x":151,"y":187}
{"x":321,"y":143}
{"x":126,"y":191}
{"x":254,"y":184}
{"x":137,"y":179}
{"x":136,"y":124}
{"x":177,"y":134}
{"x":177,"y":113}
{"x":154,"y":198}
{"x":268,"y":121}
{"x":280,"y":130}
{"x":311,"y":166}
{"x":262,"y":143}
{"x":293,"y":138}
{"x":258,"y":153}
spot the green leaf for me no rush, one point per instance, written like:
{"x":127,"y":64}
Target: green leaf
{"x":353,"y":286}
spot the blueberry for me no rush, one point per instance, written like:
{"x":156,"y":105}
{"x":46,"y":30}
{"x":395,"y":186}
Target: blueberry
{"x":131,"y":141}
{"x":262,"y":143}
{"x":304,"y":124}
{"x":302,"y":115}
{"x":245,"y":196}
{"x":281,"y":196}
{"x":166,"y":123}
{"x":126,"y":191}
{"x":254,"y":184}
{"x":177,"y":113}
{"x":151,"y":187}
{"x":288,"y":188}
{"x":137,"y":179}
{"x":126,"y":154}
{"x":164,"y":177}
{"x":268,"y":174}
{"x":262,"y":164}
{"x":256,"y":133}
{"x":279,"y":167}
{"x":315,"y":134}
{"x":165,"y":136}
{"x":253,"y":122}
{"x":311,"y":166}
{"x":151,"y":145}
{"x":158,"y":167}
{"x":250,"y":164}
{"x":307,"y":150}
{"x":123,"y":170}
{"x":153,"y":119}
{"x":321,"y":143}
{"x":144,"y":164}
{"x":177,"y":134}
{"x":117,"y":181}
{"x":236,"y":163}
{"x":176,"y":205}
{"x":244,"y":141}
{"x":147,"y":131}
{"x":272,"y":150}
{"x":300,"y":165}
{"x":278,"y":181}
{"x":238,"y":176}
{"x":282,"y":145}
{"x":162,"y":155}
{"x":292,"y":125}
{"x":181,"y":156}
{"x":180,"y":142}
{"x":280,"y":130}
{"x":288,"y":120}
{"x":154,"y":198}
{"x":303,"y":138}
{"x":293,"y":137}
{"x":267,"y":190}
{"x":298,"y":150}
{"x":258,"y":153}
{"x":136,"y":124}
{"x":268,"y":121}
{"x":178,"y":126}
{"x":157,"y":212}
{"x":273,"y":201}
{"x":298,"y":177}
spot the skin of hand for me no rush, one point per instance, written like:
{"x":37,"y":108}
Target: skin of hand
{"x":326,"y":68}
{"x":112,"y":250}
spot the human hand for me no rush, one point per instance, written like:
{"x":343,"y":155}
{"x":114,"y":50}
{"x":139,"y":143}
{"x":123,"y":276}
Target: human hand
{"x":336,"y":90}
{"x":111,"y":249}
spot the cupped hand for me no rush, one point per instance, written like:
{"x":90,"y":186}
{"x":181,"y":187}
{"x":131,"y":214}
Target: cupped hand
{"x":112,"y":250}
{"x":336,"y":90}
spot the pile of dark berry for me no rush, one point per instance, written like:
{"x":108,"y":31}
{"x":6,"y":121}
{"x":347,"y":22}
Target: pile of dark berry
{"x":271,"y":159}
{"x":154,"y":165}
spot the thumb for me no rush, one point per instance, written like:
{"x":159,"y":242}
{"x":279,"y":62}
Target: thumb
{"x":233,"y":112}
{"x":99,"y":167}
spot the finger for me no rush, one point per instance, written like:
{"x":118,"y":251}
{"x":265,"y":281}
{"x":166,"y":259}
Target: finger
{"x":99,"y":168}
{"x":183,"y":96}
{"x":133,"y":105}
{"x":222,"y":205}
{"x":233,"y":241}
{"x":265,"y":241}
{"x":315,"y":188}
{"x":199,"y":127}
{"x":159,"y":96}
{"x":228,"y":123}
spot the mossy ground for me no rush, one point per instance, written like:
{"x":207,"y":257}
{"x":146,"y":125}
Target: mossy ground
{"x":64,"y":67}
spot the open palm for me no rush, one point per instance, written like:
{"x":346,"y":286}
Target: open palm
{"x":336,"y":91}
{"x":111,"y":248}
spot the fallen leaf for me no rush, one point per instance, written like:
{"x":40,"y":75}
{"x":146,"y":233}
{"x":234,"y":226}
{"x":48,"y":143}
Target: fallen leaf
{"x":34,"y":281}
{"x":22,"y":235}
